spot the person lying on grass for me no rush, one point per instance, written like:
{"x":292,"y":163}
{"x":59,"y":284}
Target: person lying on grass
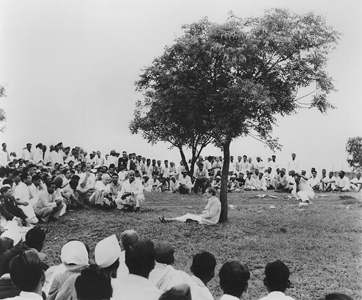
{"x":209,"y":216}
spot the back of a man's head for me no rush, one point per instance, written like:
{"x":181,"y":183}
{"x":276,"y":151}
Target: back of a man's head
{"x":234,"y":278}
{"x":35,"y":238}
{"x":26,"y":271}
{"x":203,"y":266}
{"x":140,"y":257}
{"x":178,"y":292}
{"x":164,"y":253}
{"x":277,"y":276}
{"x":93,"y":283}
{"x":336,"y":296}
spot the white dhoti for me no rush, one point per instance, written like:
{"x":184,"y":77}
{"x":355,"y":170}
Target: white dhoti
{"x":304,"y":196}
{"x":130,"y":201}
{"x":28,"y":211}
{"x":183,"y":218}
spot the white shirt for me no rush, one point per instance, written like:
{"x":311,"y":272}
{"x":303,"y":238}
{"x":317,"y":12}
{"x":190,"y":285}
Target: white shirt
{"x":276,"y":296}
{"x":27,"y":155}
{"x":56,"y":157}
{"x":343,"y":182}
{"x":260,"y":166}
{"x":101,"y":187}
{"x":135,"y":187}
{"x":91,"y":181}
{"x":185,"y":181}
{"x":21,"y":192}
{"x":26,"y":296}
{"x":4,"y":158}
{"x":134,"y":287}
{"x":293,"y":165}
{"x":37,"y":156}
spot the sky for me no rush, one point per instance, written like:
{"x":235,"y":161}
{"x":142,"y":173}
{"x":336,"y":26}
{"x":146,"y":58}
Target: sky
{"x":69,"y":69}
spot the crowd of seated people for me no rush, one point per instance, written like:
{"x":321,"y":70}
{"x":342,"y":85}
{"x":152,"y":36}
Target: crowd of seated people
{"x":43,"y":183}
{"x":131,"y":268}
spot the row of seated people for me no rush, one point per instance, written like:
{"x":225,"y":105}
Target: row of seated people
{"x":133,"y":268}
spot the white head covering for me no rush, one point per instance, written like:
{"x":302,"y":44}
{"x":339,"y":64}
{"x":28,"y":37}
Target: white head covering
{"x":74,"y":255}
{"x":107,"y":251}
{"x":13,"y":234}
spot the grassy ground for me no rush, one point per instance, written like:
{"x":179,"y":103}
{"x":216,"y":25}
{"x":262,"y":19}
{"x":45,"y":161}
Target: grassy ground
{"x":321,"y":244}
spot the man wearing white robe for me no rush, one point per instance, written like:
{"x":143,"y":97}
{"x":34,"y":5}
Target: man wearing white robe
{"x":356,"y":182}
{"x":27,"y":153}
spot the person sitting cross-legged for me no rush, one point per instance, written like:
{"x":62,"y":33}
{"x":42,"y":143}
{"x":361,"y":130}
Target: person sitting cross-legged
{"x":185,"y":183}
{"x":47,"y":207}
{"x":131,"y":194}
{"x":209,"y":216}
{"x":302,"y":190}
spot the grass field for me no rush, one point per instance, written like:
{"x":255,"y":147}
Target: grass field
{"x":321,"y":244}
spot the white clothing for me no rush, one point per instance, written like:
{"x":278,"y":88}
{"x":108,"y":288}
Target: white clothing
{"x":260,"y":166}
{"x":330,"y":181}
{"x":122,"y":268}
{"x":90,"y":183}
{"x":27,"y":155}
{"x":293,"y":165}
{"x":4,"y":158}
{"x":305,"y":191}
{"x":250,"y":183}
{"x":357,"y":182}
{"x":56,"y":157}
{"x":314,"y":181}
{"x":260,"y":184}
{"x":185,"y":181}
{"x":50,"y":275}
{"x":228,"y":297}
{"x":33,"y":194}
{"x":164,"y":277}
{"x":199,"y":290}
{"x":21,"y":192}
{"x":99,"y":161}
{"x":37,"y":156}
{"x":134,"y":287}
{"x":101,"y":187}
{"x":243,"y":167}
{"x":232,"y":166}
{"x":343,"y":183}
{"x":26,"y":296}
{"x":276,"y":296}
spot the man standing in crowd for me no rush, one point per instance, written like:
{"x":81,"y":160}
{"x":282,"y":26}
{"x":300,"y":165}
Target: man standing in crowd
{"x":293,"y":164}
{"x":4,"y":156}
{"x":27,"y":153}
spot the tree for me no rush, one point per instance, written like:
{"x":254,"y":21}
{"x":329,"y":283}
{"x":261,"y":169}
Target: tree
{"x":234,"y":79}
{"x":354,"y":150}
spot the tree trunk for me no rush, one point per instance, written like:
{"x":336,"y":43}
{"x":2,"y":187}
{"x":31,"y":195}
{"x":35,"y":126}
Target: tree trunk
{"x":224,"y":183}
{"x":183,"y":158}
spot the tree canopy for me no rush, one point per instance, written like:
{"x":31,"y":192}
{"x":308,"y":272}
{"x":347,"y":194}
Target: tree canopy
{"x":354,"y":150}
{"x":223,"y":81}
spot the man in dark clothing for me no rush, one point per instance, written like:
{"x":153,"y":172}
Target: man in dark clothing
{"x":9,"y":208}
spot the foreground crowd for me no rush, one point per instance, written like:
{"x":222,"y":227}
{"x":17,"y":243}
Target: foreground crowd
{"x":131,"y":269}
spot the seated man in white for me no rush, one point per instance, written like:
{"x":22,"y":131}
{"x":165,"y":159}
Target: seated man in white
{"x":86,"y":184}
{"x":22,"y":197}
{"x":260,"y":183}
{"x":164,"y":276}
{"x":174,"y":184}
{"x":102,"y":197}
{"x":302,"y":190}
{"x":233,"y":185}
{"x":140,"y":260}
{"x":131,"y":194}
{"x":356,"y":182}
{"x":47,"y":207}
{"x":330,"y":182}
{"x":209,"y":216}
{"x":342,"y":182}
{"x":314,"y":181}
{"x":216,"y":183}
{"x":184,"y":182}
{"x":249,"y":182}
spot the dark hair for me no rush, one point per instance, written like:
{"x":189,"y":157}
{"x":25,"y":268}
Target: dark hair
{"x":234,"y":278}
{"x":24,"y":176}
{"x":35,"y":237}
{"x":93,"y":284}
{"x":277,"y":276}
{"x":35,"y":177}
{"x":173,"y":295}
{"x":8,"y":256}
{"x":140,"y":257}
{"x":73,"y":184}
{"x":4,"y":189}
{"x":5,"y":244}
{"x":32,"y":166}
{"x":8,"y":181}
{"x":26,"y":270}
{"x":203,"y":264}
{"x":336,"y":296}
{"x":212,"y":191}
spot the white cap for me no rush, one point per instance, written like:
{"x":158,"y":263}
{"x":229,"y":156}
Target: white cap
{"x":74,"y":255}
{"x":107,"y":251}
